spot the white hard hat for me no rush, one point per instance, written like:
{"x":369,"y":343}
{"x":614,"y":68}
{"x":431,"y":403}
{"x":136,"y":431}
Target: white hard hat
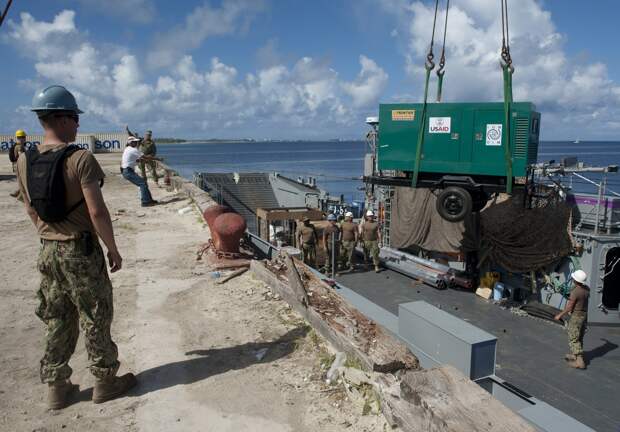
{"x":370,"y":213}
{"x":132,"y":139}
{"x":579,"y":276}
{"x":348,"y":214}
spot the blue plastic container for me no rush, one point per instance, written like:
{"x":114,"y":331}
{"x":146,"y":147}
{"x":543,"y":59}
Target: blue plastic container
{"x":498,"y":291}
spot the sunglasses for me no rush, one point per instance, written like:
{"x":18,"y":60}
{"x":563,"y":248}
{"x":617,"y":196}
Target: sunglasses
{"x":74,"y":117}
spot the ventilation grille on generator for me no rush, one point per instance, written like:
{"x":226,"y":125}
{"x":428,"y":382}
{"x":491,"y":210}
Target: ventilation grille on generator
{"x":522,"y":138}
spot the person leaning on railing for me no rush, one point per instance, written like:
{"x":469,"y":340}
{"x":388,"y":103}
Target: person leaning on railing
{"x":131,"y":157}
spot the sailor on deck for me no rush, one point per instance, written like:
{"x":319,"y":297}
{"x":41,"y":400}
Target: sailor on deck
{"x":577,"y":306}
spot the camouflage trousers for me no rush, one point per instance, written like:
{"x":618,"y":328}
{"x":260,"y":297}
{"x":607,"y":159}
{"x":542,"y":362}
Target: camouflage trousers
{"x":371,"y":247}
{"x":152,"y":168}
{"x":75,"y":289}
{"x":308,"y":253}
{"x":576,"y":329}
{"x":328,"y":257}
{"x":348,"y":247}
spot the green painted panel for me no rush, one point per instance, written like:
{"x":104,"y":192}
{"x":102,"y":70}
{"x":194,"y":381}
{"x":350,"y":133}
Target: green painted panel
{"x":460,"y":138}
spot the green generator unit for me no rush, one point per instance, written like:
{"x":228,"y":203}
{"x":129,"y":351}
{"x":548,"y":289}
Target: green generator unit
{"x":463,"y":152}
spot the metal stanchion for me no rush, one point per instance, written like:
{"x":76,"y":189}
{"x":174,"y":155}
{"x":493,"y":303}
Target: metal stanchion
{"x":333,"y":257}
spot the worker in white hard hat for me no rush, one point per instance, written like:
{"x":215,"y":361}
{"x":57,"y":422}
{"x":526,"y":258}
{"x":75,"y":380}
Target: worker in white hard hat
{"x":577,"y":307}
{"x":349,"y":240}
{"x":371,"y":237}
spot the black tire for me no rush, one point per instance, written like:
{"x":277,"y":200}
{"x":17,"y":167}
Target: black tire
{"x":454,"y":204}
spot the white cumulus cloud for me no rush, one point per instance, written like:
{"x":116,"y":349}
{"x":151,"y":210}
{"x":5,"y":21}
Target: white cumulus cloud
{"x":307,"y":99}
{"x":204,"y":21}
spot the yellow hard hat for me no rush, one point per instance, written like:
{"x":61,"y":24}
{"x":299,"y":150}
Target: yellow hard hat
{"x":20,"y":133}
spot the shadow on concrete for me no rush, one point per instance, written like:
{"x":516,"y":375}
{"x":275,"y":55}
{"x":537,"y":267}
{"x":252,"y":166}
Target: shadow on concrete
{"x":215,"y":361}
{"x":599,"y":351}
{"x":7,"y":177}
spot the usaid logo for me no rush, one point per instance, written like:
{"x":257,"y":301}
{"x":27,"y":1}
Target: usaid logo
{"x":439,"y":125}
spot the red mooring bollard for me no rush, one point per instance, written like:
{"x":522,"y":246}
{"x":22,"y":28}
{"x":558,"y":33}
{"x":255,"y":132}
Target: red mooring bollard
{"x":229,"y":228}
{"x":210,"y":215}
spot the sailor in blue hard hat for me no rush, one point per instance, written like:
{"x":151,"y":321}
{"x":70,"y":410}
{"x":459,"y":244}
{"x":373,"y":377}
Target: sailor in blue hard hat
{"x":55,"y":104}
{"x":61,"y":186}
{"x":331,"y":243}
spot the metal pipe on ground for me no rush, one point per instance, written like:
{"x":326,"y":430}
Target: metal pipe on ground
{"x":403,"y":256}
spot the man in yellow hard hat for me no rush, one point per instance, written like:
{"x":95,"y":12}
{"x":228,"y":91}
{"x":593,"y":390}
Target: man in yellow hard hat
{"x":17,"y":149}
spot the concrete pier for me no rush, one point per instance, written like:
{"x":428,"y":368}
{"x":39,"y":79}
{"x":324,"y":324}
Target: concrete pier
{"x":208,"y":357}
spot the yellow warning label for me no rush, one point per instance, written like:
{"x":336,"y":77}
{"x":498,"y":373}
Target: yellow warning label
{"x":403,"y":115}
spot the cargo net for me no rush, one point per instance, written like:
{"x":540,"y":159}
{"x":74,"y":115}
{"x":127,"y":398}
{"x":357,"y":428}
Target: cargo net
{"x":505,"y":233}
{"x":521,"y":239}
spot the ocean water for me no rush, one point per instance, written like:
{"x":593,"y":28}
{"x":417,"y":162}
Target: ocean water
{"x":338,"y":166}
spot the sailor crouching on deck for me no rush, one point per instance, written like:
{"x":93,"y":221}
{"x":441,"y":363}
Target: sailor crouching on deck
{"x":131,"y":157}
{"x":61,"y":186}
{"x":577,"y":306}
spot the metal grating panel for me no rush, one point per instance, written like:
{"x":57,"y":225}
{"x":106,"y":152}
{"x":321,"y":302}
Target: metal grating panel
{"x":522,"y":134}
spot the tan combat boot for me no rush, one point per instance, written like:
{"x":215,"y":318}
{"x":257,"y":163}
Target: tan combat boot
{"x":377,"y":269}
{"x":569,"y":357}
{"x":578,"y":363}
{"x":112,"y":387}
{"x":58,"y":394}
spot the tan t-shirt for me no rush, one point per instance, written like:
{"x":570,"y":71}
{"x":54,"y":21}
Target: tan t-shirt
{"x":81,"y":168}
{"x":307,"y":234}
{"x":329,"y":231}
{"x":370,"y":231}
{"x":580,"y":296}
{"x":348,"y":231}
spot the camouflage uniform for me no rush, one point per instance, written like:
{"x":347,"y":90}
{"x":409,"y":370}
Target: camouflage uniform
{"x":307,"y":244}
{"x":332,"y":231}
{"x":75,"y":288}
{"x":370,"y":236}
{"x":149,"y":149}
{"x":576,"y":329}
{"x":348,"y":243}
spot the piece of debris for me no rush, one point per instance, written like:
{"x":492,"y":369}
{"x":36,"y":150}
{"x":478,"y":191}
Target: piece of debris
{"x":332,"y":373}
{"x":233,"y":275}
{"x":260,"y":353}
{"x":485,"y":293}
{"x":185,"y":210}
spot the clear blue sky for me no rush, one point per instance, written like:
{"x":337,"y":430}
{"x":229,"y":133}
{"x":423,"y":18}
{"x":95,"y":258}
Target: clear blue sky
{"x":260,"y":85}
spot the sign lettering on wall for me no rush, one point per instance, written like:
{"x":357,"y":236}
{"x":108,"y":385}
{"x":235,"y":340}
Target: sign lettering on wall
{"x":439,"y":124}
{"x":96,"y":143}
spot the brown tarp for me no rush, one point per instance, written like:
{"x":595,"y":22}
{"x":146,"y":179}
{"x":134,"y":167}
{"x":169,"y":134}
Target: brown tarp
{"x":415,"y":222}
{"x":509,"y":235}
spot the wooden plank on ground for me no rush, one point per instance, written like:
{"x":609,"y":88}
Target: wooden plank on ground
{"x":444,"y":400}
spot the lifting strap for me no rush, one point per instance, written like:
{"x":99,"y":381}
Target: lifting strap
{"x":507,"y":71}
{"x":6,"y":11}
{"x":442,"y":60}
{"x":429,"y":65}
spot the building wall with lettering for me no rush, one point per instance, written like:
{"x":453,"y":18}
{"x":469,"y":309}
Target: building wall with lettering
{"x":95,"y":142}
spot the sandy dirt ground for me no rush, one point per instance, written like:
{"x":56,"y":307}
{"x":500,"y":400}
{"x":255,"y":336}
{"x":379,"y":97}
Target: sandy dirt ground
{"x":195,"y":346}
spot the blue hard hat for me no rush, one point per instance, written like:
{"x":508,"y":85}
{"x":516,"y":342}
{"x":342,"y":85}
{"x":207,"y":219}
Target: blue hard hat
{"x":331,"y":217}
{"x":54,"y":98}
